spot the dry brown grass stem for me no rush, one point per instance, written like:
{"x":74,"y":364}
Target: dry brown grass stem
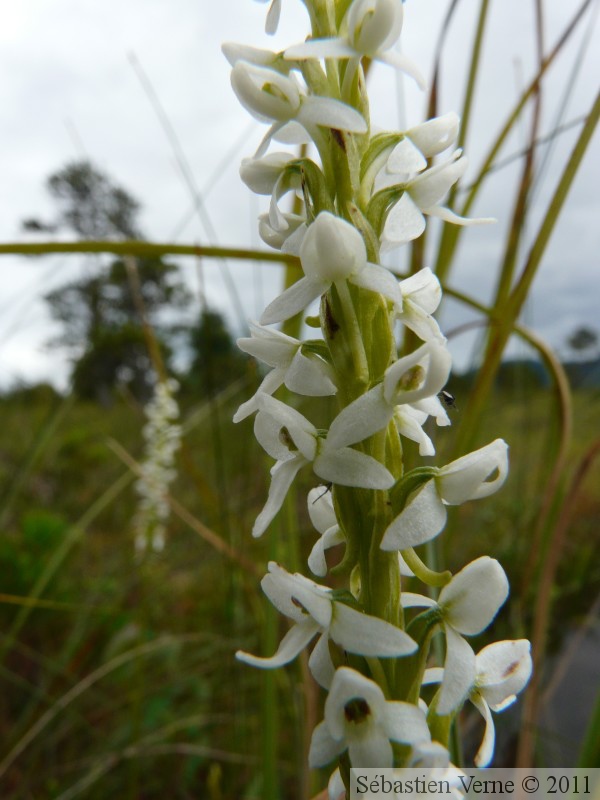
{"x":543,"y":606}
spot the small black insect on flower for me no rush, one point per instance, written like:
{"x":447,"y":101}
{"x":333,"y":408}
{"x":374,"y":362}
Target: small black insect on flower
{"x":448,"y":399}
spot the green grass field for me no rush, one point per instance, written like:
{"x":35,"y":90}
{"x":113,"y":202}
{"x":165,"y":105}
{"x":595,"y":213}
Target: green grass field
{"x":118,"y":675}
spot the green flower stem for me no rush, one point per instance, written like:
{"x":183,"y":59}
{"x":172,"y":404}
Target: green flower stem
{"x":422,"y":571}
{"x":353,"y":333}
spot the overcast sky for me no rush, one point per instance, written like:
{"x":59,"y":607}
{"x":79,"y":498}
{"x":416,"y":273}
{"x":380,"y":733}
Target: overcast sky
{"x":68,"y":91}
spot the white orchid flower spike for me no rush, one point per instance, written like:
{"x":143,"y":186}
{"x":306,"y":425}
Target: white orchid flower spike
{"x":471,"y":477}
{"x":304,"y":374}
{"x":466,"y":606}
{"x":332,"y":251}
{"x":279,"y":99}
{"x":412,"y":378}
{"x":293,"y":441}
{"x":372,"y":28}
{"x":322,"y":516}
{"x":502,"y":670}
{"x":315,"y":612}
{"x":359,"y":719}
{"x":422,"y":195}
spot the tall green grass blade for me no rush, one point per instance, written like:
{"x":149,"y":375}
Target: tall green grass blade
{"x":451,"y":233}
{"x":31,"y":458}
{"x":508,"y":314}
{"x":82,"y":686}
{"x":72,"y":536}
{"x":138,"y":248}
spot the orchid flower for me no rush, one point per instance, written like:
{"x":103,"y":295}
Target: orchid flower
{"x":466,"y":606}
{"x":422,"y":194}
{"x":304,"y":374}
{"x":502,"y":670}
{"x":359,"y":719}
{"x":331,"y":252}
{"x":269,"y":175}
{"x":286,"y":237}
{"x":372,"y":28}
{"x":293,"y":441}
{"x":278,"y":99}
{"x":322,"y":516}
{"x":414,"y":377}
{"x":421,"y":295}
{"x":316,"y":612}
{"x":471,"y":477}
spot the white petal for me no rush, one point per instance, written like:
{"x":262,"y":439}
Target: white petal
{"x":419,"y":321}
{"x":409,"y":422}
{"x":267,"y":431}
{"x":279,"y":239}
{"x":320,"y":508}
{"x":335,"y":788}
{"x":486,"y":750}
{"x":405,"y":570}
{"x":430,"y":755}
{"x":379,"y":279}
{"x":309,"y":376}
{"x":412,"y":600}
{"x":320,"y":663}
{"x":418,"y":375}
{"x":421,"y":520}
{"x":293,"y":300}
{"x":428,"y":188}
{"x":299,"y":428}
{"x":433,"y":408}
{"x":273,"y":15}
{"x":270,"y":346}
{"x":252,"y":84}
{"x":347,"y":685}
{"x":365,"y":416}
{"x":323,"y":748}
{"x":261,"y":174}
{"x":403,"y":224}
{"x":316,"y":559}
{"x":374,"y":25}
{"x":367,"y":636}
{"x":459,"y":672}
{"x":406,"y":158}
{"x":475,"y":475}
{"x":271,"y":383}
{"x":435,"y":135}
{"x":296,"y":596}
{"x":503,"y":670}
{"x":401,"y":62}
{"x":292,"y":133}
{"x":348,"y":467}
{"x":293,"y":243}
{"x":331,"y":114}
{"x":332,"y":249}
{"x":282,"y":475}
{"x":432,"y":675}
{"x":424,"y":289}
{"x":372,"y":751}
{"x":292,"y":643}
{"x":235,"y":52}
{"x":405,"y":723}
{"x":320,"y":48}
{"x":474,"y":595}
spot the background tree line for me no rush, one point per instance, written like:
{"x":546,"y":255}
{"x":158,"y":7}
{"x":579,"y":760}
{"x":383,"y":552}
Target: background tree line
{"x":100,"y":313}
